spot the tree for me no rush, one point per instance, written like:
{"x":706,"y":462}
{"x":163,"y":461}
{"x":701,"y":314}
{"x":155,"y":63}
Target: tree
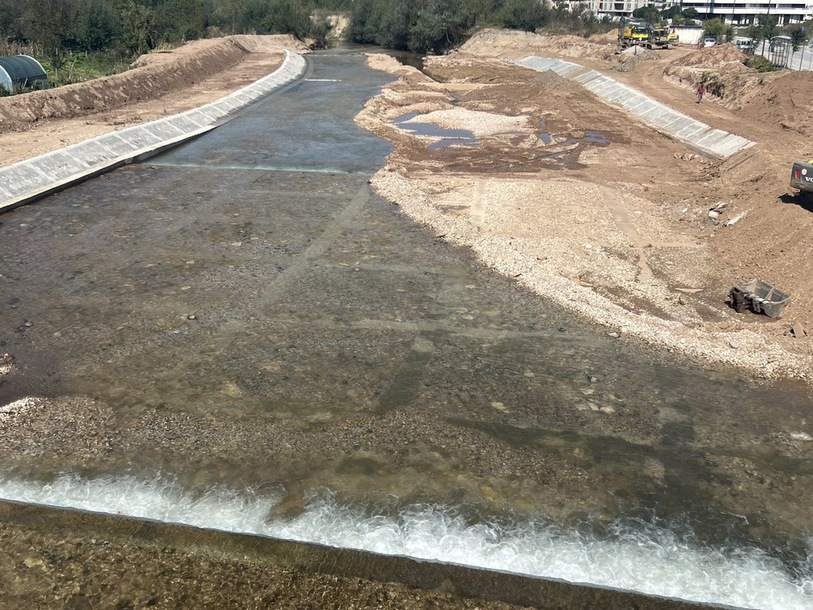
{"x":673,"y":12}
{"x":179,"y":20}
{"x":96,"y":26}
{"x":526,"y":15}
{"x":797,"y":34}
{"x":690,"y":15}
{"x":648,"y":13}
{"x":11,"y":20}
{"x":48,"y":23}
{"x":767,"y":27}
{"x":138,"y":32}
{"x":288,"y":17}
{"x":320,"y":29}
{"x":714,"y":28}
{"x":394,"y":25}
{"x":482,"y":12}
{"x":437,"y":28}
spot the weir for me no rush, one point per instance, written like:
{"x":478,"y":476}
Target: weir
{"x":460,"y":581}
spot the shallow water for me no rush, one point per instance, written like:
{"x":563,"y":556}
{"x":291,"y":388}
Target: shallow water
{"x":242,"y":314}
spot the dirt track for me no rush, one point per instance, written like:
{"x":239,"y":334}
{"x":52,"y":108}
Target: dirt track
{"x":618,"y":229}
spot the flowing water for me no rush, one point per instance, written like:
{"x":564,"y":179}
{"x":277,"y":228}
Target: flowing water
{"x":240,"y":335}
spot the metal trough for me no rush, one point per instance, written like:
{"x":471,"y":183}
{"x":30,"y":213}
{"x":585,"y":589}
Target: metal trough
{"x":759,"y":297}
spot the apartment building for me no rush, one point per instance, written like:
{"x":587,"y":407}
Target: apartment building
{"x":737,"y":12}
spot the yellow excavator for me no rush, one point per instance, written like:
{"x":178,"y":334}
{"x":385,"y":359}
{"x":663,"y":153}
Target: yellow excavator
{"x":636,"y":32}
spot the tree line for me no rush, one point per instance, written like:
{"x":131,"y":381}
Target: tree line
{"x":127,"y":28}
{"x":132,"y":27}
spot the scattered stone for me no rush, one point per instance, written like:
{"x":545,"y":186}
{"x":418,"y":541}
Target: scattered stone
{"x":6,"y":358}
{"x":31,"y":562}
{"x":798,"y":330}
{"x":736,"y":218}
{"x":714,"y":214}
{"x":191,"y":316}
{"x":733,"y":344}
{"x":28,"y":324}
{"x":719,"y":206}
{"x":607,"y":409}
{"x":614,"y":334}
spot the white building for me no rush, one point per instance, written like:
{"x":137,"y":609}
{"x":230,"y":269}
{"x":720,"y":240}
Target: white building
{"x":737,"y":12}
{"x":747,"y":12}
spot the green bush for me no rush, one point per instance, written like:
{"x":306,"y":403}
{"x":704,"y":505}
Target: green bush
{"x":760,"y":63}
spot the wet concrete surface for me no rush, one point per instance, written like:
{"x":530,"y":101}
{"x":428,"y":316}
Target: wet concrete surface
{"x":244,"y":311}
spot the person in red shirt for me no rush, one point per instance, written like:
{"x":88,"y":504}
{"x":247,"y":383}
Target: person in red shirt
{"x":701,"y":90}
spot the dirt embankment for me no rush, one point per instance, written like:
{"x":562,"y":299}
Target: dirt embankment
{"x":151,"y":77}
{"x":159,"y":84}
{"x":586,"y":205}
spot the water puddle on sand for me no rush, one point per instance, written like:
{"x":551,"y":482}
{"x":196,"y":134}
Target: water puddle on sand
{"x":568,"y":147}
{"x":448,"y":137}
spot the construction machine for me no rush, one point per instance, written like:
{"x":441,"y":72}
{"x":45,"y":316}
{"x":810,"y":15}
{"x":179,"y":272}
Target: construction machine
{"x":636,"y":32}
{"x":801,"y":177}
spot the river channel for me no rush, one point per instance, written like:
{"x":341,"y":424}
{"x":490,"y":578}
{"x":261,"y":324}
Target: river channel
{"x":240,"y":334}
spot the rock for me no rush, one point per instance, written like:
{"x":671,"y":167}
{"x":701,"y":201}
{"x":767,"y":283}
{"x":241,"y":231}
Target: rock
{"x":614,"y":334}
{"x":798,"y":330}
{"x":714,"y":214}
{"x":719,"y":206}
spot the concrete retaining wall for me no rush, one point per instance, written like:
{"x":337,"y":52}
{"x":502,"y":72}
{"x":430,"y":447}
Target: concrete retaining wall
{"x":31,"y":179}
{"x":679,"y":126}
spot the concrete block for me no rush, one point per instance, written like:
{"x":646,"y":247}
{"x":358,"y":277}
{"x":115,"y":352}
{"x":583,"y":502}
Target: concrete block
{"x":57,"y":166}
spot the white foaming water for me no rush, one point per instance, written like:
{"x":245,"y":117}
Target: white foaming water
{"x":648,"y":559}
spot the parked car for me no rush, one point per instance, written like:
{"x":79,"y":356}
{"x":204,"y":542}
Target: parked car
{"x":709,"y":41}
{"x":746,"y":45}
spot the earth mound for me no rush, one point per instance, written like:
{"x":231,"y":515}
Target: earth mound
{"x":786,"y":100}
{"x":513,"y":44}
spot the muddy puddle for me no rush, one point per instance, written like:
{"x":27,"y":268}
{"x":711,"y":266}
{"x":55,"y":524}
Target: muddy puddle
{"x":243,"y":318}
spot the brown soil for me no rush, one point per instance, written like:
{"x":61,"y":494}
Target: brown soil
{"x":618,"y":230}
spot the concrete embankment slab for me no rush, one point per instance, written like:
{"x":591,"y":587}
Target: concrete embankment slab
{"x":659,"y":116}
{"x":31,"y":179}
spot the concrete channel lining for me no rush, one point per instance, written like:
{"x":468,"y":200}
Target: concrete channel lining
{"x":34,"y":178}
{"x":681,"y":127}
